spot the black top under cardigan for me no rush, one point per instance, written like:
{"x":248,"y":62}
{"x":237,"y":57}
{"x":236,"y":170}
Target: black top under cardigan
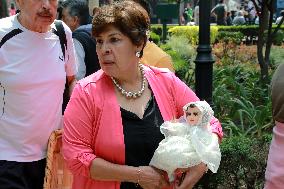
{"x":141,"y":137}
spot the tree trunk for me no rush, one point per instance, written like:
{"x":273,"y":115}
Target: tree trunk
{"x":263,"y":24}
{"x":264,"y":72}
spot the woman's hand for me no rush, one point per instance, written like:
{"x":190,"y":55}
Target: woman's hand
{"x":151,"y":178}
{"x":192,"y":176}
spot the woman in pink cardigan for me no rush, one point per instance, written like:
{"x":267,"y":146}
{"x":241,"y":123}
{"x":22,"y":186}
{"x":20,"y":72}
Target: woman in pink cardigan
{"x":111,"y":124}
{"x":274,"y":174}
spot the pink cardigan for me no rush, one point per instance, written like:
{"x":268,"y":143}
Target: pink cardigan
{"x":93,"y":125}
{"x":274,"y":174}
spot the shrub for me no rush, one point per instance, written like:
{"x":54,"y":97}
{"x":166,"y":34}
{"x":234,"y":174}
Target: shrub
{"x":242,"y":105}
{"x":250,"y":32}
{"x":182,"y":54}
{"x":155,"y":37}
{"x":158,"y":29}
{"x":243,"y":162}
{"x":227,"y":37}
{"x":278,"y":38}
{"x":181,"y":45}
{"x":230,"y":53}
{"x":276,"y":56}
{"x":242,"y":165}
{"x":191,"y":33}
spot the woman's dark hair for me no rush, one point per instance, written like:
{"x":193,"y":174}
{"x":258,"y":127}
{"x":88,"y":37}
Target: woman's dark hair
{"x":145,"y":4}
{"x":128,"y":17}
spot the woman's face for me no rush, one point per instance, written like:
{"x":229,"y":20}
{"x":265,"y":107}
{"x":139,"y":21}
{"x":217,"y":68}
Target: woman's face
{"x":116,"y":52}
{"x":193,"y":115}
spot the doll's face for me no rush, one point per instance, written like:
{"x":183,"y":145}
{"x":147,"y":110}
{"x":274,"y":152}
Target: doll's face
{"x":192,"y":115}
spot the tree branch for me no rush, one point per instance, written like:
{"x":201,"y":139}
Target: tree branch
{"x":278,"y":26}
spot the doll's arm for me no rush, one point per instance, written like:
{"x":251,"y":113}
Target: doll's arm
{"x":173,"y":129}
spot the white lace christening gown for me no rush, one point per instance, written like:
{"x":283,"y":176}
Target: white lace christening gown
{"x":186,"y":146}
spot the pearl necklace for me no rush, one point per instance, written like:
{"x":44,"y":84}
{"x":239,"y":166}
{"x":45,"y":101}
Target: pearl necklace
{"x":129,"y":94}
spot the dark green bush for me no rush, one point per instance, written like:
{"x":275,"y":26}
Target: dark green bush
{"x":278,"y":38}
{"x":243,"y":106}
{"x":250,"y":32}
{"x":157,"y":29}
{"x":242,"y":166}
{"x":154,"y":37}
{"x":226,"y":37}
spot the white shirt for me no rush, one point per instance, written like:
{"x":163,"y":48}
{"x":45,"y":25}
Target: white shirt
{"x":196,"y":15}
{"x":32,"y":78}
{"x":278,"y":20}
{"x":80,"y":56}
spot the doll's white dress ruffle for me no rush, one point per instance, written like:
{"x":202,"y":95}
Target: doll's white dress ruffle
{"x":186,"y":146}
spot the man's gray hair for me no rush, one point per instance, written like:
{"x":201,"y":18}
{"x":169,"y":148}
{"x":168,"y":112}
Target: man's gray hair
{"x":78,"y":8}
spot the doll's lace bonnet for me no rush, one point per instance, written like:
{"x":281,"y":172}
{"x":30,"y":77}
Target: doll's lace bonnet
{"x":205,"y":109}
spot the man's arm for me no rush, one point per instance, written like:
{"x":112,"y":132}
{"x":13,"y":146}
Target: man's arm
{"x":225,"y":11}
{"x":80,"y":55}
{"x":71,"y":83}
{"x":213,"y":11}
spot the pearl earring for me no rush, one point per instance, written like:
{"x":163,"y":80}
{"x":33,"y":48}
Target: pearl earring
{"x":138,"y":54}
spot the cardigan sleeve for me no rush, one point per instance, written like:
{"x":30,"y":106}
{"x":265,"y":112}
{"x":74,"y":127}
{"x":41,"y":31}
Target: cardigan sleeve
{"x":183,"y":95}
{"x":77,"y":136}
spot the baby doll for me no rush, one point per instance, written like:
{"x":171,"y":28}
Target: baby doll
{"x":188,"y":142}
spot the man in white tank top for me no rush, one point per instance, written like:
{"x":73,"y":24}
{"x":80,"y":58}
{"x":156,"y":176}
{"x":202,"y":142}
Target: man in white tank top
{"x":33,"y":71}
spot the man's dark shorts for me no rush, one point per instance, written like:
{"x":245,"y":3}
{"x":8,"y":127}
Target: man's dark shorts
{"x":22,"y":175}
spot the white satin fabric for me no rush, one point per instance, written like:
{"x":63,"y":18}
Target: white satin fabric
{"x":186,"y":146}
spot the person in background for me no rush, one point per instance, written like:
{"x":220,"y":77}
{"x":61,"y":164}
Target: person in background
{"x":188,"y":13}
{"x":280,"y":17}
{"x":154,"y":55}
{"x":12,"y":10}
{"x":95,"y":11}
{"x":33,"y":73}
{"x":220,"y":12}
{"x":274,"y":174}
{"x":229,"y":20}
{"x":196,"y":14}
{"x":75,"y":13}
{"x":59,"y":10}
{"x":239,"y":19}
{"x":256,"y":21}
{"x":112,"y":122}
